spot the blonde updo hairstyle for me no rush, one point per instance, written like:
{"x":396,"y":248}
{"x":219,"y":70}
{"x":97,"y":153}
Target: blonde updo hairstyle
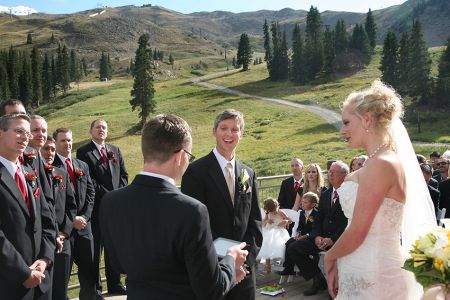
{"x":380,"y":100}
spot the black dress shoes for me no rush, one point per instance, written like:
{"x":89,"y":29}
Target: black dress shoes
{"x":319,"y":283}
{"x":117,"y":290}
{"x":286,"y":272}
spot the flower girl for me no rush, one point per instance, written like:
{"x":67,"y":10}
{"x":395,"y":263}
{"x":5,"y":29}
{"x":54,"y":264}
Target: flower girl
{"x":274,"y":232}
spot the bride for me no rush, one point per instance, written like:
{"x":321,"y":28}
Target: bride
{"x":387,"y":203}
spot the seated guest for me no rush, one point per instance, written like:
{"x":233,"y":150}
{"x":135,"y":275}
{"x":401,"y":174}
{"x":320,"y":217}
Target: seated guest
{"x":305,"y":221}
{"x":442,"y":165}
{"x":329,"y":224}
{"x":421,"y":159}
{"x":314,"y":182}
{"x":434,"y":157}
{"x":427,"y":172}
{"x":291,"y":185}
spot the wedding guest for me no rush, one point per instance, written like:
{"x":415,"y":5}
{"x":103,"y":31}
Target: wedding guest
{"x":165,"y":259}
{"x":442,"y":168}
{"x":27,"y":232}
{"x":228,"y":188}
{"x":329,"y":224}
{"x":291,"y":185}
{"x":12,"y":106}
{"x":108,"y":173}
{"x":434,"y":157}
{"x":65,"y":212}
{"x":314,"y":182}
{"x":81,"y":240}
{"x":427,"y":172}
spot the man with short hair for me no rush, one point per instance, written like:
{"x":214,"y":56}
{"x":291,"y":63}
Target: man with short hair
{"x":12,"y":106}
{"x":427,"y":172}
{"x":329,"y":224}
{"x":165,"y":258}
{"x":27,"y":232}
{"x":82,"y":245}
{"x":108,"y":173}
{"x":65,"y":212}
{"x":229,"y":189}
{"x":442,"y":168}
{"x":291,"y":185}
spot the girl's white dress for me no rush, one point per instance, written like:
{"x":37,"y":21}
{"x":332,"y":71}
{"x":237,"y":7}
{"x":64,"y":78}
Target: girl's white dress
{"x":374,"y":270}
{"x":274,"y":239}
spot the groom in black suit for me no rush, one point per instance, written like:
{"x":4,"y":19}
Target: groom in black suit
{"x":108,"y":173}
{"x":228,"y":188}
{"x":160,"y":237}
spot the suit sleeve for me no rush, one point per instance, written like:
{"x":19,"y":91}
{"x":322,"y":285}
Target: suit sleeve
{"x":208,"y":278}
{"x":13,"y":267}
{"x":253,"y":235}
{"x":70,"y":209}
{"x":48,"y":242}
{"x":123,"y":171}
{"x":282,"y":196}
{"x":90,"y":196}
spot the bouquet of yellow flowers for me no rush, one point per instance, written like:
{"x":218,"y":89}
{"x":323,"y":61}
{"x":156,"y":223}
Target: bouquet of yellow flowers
{"x":430,"y":259}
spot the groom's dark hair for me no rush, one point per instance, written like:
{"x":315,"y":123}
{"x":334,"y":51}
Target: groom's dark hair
{"x":163,"y":136}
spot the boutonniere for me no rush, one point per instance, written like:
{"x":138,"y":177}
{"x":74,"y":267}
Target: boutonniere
{"x":243,"y":178}
{"x":57,"y":179}
{"x":29,"y":157}
{"x":111,"y":155}
{"x":79,"y":173}
{"x":31,"y":179}
{"x":310,"y":219}
{"x":49,"y":169}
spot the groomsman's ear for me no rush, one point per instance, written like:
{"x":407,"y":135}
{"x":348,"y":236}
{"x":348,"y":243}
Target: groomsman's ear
{"x":178,"y":158}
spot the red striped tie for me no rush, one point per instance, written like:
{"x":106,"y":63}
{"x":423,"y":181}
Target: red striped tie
{"x":21,"y":185}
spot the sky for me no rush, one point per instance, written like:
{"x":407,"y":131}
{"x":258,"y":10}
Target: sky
{"x":189,"y":6}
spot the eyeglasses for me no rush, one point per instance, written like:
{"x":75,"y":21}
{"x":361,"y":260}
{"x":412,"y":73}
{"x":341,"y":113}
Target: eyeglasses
{"x":191,"y":156}
{"x":21,"y":132}
{"x":442,"y":163}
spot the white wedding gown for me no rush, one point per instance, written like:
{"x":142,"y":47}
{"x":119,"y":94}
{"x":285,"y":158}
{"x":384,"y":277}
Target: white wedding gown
{"x":374,"y":270}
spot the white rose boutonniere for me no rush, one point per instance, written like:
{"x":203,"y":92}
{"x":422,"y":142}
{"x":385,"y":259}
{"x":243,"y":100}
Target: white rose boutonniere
{"x":243,"y":181}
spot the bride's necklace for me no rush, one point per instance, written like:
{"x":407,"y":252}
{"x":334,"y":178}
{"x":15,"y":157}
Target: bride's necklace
{"x":376,"y":150}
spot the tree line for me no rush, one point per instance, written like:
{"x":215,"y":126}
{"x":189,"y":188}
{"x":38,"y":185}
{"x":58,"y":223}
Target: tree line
{"x":406,"y":66}
{"x":35,"y":79}
{"x":318,"y":51}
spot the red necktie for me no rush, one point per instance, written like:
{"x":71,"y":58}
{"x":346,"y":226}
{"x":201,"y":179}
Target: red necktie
{"x":70,"y":171}
{"x":335,"y":196}
{"x":296,"y":186}
{"x":21,"y":185}
{"x":105,"y":159}
{"x":21,"y":159}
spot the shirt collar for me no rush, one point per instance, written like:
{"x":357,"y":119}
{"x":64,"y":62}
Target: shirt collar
{"x":9,"y":165}
{"x":222,"y":160}
{"x":63,"y":158}
{"x":164,"y":177}
{"x":99,"y":147}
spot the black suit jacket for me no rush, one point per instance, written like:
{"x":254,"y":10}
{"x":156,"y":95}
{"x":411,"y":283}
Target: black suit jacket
{"x":104,"y":179}
{"x":25,"y":235}
{"x":65,"y":203}
{"x":84,"y":192}
{"x":435,"y":196}
{"x":161,"y":239}
{"x":305,"y":226}
{"x":444,"y":188}
{"x":330,"y":221}
{"x":204,"y":181}
{"x":287,"y":195}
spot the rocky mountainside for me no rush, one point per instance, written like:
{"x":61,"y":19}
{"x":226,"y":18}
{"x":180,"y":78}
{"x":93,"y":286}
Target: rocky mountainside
{"x":116,"y":30}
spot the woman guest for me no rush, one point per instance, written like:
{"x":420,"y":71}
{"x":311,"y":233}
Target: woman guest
{"x":314,"y":182}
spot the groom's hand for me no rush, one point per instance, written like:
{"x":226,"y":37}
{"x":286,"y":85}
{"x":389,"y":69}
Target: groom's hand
{"x":239,"y":254}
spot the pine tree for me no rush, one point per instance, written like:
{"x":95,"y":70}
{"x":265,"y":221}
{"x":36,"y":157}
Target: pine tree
{"x":62,"y":68}
{"x":103,"y":67}
{"x":276,"y":72}
{"x":52,"y":39}
{"x":85,"y":67}
{"x":4,"y":88}
{"x":371,"y":29}
{"x":54,"y":70}
{"x":360,"y":42}
{"x":443,"y":81}
{"x":267,"y":49}
{"x":36,"y":95}
{"x":13,"y":69}
{"x":403,"y":64}
{"x":29,"y":39}
{"x":244,"y":53}
{"x":110,"y":69}
{"x":284,"y":58}
{"x":314,"y":43}
{"x":172,"y":60}
{"x":329,"y":50}
{"x":389,"y":60}
{"x":298,"y":70}
{"x":46,"y":79}
{"x":74,"y":66}
{"x":155,"y":55}
{"x":420,"y":65}
{"x":25,"y":82}
{"x":143,"y":91}
{"x":340,"y":37}
{"x":233,"y":62}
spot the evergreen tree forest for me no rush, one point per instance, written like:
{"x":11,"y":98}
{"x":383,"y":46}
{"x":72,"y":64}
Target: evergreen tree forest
{"x":407,"y":65}
{"x":35,"y":77}
{"x":319,"y":51}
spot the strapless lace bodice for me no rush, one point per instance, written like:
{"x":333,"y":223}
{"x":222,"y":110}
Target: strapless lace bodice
{"x":373,"y":270}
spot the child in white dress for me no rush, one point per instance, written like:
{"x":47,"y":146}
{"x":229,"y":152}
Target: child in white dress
{"x":275,"y":233}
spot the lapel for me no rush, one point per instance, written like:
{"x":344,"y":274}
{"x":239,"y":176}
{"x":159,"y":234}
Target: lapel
{"x":76,"y":166}
{"x":335,"y":205}
{"x":237,"y":174}
{"x":113,"y":164}
{"x":11,"y":185}
{"x":216,"y":174}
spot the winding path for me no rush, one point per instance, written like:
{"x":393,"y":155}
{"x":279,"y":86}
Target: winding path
{"x":330,"y":116}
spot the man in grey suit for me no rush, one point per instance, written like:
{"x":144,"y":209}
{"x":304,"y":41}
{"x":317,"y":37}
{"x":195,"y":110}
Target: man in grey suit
{"x":160,"y":237}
